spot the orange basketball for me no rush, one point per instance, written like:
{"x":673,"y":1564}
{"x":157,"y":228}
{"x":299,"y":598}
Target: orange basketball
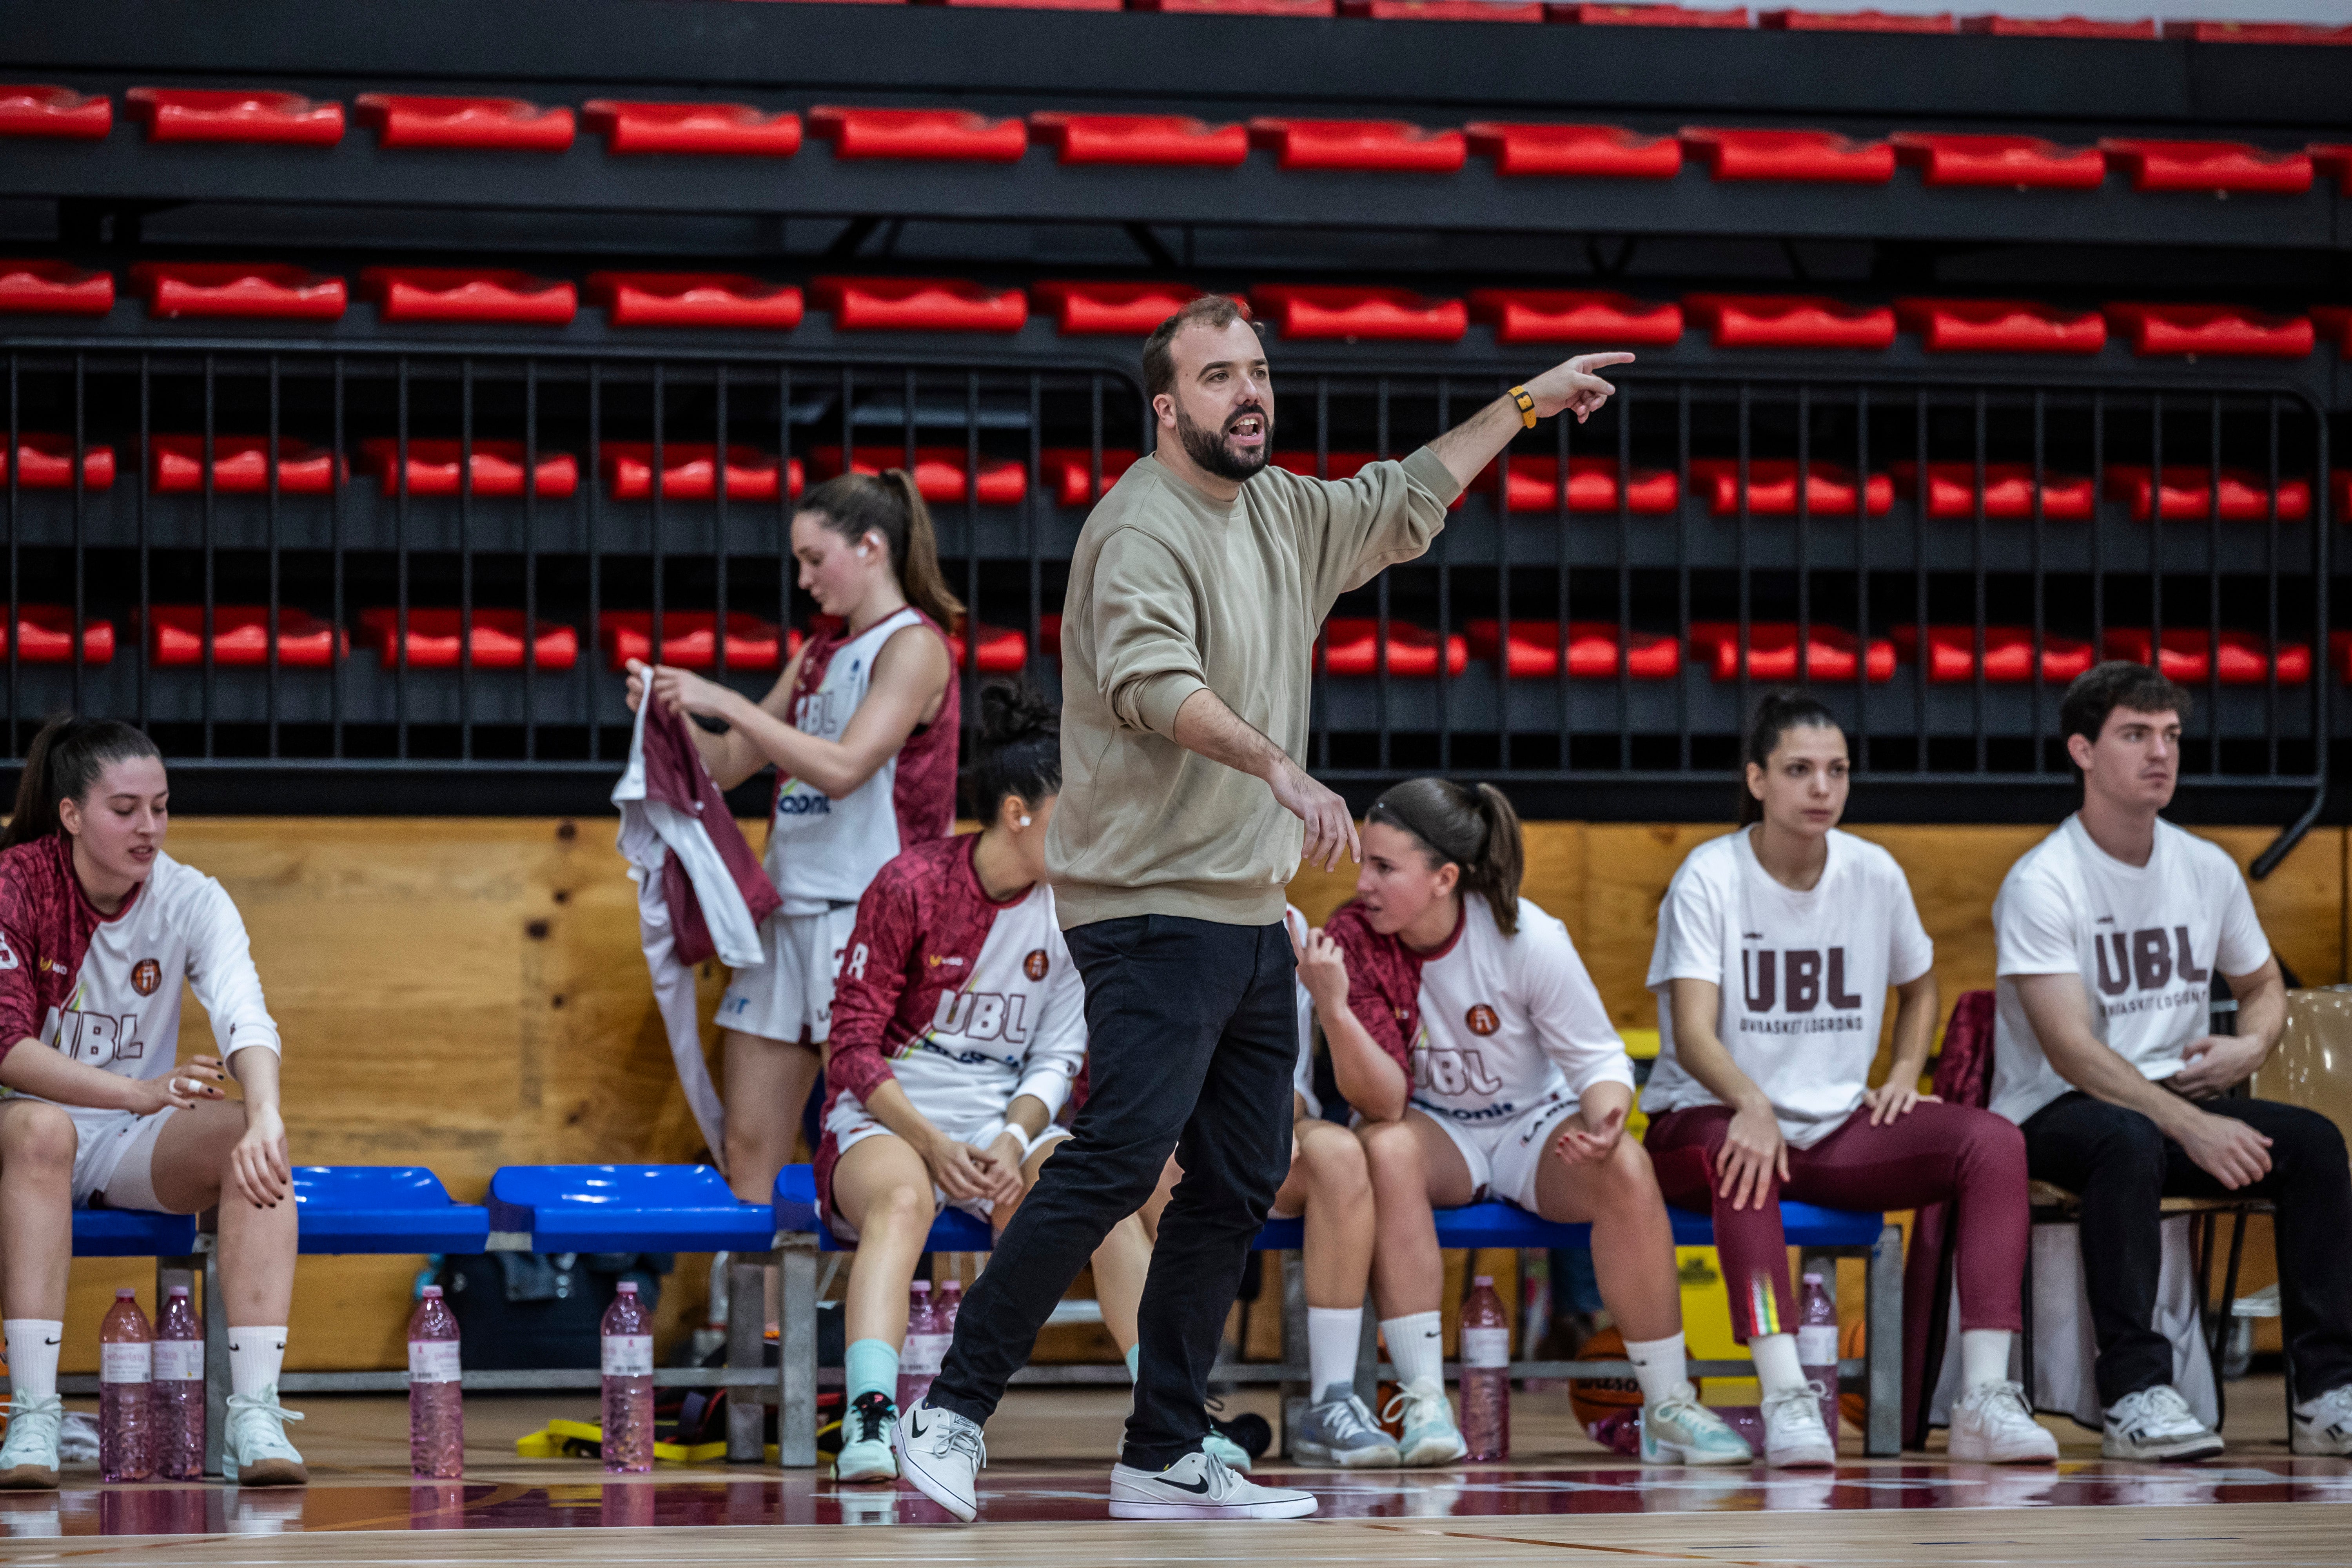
{"x":1853,"y":1406}
{"x":1593,"y":1398}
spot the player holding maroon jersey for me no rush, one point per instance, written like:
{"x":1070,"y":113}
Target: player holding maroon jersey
{"x":98,"y":928}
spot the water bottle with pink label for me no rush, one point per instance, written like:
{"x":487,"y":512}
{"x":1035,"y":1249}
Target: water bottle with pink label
{"x":1485,"y":1374}
{"x":926,"y":1346}
{"x":628,"y":1383}
{"x":126,"y":1393}
{"x":437,"y":1410}
{"x":180,"y":1389}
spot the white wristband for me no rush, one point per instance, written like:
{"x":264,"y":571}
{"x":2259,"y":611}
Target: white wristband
{"x":1013,"y":1128}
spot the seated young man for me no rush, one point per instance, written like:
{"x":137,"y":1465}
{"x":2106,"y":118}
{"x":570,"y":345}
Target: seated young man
{"x":2110,"y":931}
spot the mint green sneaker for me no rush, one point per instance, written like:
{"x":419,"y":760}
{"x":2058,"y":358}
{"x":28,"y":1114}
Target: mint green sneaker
{"x":1232,"y":1454}
{"x":1431,"y":1438}
{"x":1679,"y":1430}
{"x":865,"y":1454}
{"x":28,"y":1457}
{"x":257,"y":1453}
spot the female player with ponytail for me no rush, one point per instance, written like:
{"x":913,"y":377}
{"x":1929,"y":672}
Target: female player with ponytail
{"x":98,"y":930}
{"x":1464,"y":1031}
{"x":861,"y":730}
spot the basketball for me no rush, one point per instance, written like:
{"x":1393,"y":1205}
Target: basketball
{"x":1853,"y":1406}
{"x":1596,"y":1398}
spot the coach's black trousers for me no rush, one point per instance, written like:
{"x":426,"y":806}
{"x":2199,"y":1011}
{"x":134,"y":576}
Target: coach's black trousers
{"x":1192,"y":1035}
{"x":2122,"y":1166}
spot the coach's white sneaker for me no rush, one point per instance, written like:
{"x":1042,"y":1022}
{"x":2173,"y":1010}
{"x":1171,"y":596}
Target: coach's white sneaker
{"x":2324,"y":1426}
{"x":28,"y":1456}
{"x":256,"y":1453}
{"x":1794,"y":1438}
{"x":1200,"y":1486}
{"x":942,"y":1453}
{"x":2157,"y":1424}
{"x":1992,"y":1425}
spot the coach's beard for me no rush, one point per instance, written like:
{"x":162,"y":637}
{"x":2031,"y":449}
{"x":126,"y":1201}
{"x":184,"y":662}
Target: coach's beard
{"x":1213,"y":453}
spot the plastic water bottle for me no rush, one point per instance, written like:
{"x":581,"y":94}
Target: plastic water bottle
{"x":180,"y":1389}
{"x":126,"y":1393}
{"x":950,"y":1302}
{"x":1817,"y":1347}
{"x":1485,"y":1374}
{"x":926,"y":1346}
{"x":628,"y":1384}
{"x":436,"y":1406}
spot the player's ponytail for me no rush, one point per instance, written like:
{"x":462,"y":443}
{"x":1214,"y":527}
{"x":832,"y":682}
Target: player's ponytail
{"x":1776,"y":714}
{"x":1471,"y":826}
{"x":1019,"y":750}
{"x":65,"y":764}
{"x":854,"y":505}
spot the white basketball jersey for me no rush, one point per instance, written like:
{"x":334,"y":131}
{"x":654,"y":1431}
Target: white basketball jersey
{"x":822,"y":852}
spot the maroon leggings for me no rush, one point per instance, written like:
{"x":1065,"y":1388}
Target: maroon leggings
{"x":1933,"y":1153}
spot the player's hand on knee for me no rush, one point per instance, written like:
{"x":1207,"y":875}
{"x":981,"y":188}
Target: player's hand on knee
{"x":257,"y":1164}
{"x":1582,"y":1145}
{"x":1891,"y":1100}
{"x":962,"y":1172}
{"x":2226,"y":1149}
{"x":1752,"y":1152}
{"x":184,"y":1086}
{"x":1574,"y":386}
{"x":1007,"y":1154}
{"x":1330,"y":827}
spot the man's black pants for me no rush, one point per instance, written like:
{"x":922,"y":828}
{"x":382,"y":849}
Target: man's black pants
{"x":2121,"y":1166}
{"x":1192,"y":1035}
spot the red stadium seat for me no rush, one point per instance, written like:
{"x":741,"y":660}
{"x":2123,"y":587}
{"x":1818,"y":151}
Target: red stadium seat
{"x":2008,"y":653}
{"x":1772,"y":487}
{"x":215,"y":114}
{"x":241,"y":636}
{"x":1239,"y":7}
{"x":2332,"y":324}
{"x":44,"y":635}
{"x":1575,"y":316}
{"x":1594,"y":652}
{"x":1588,"y":151}
{"x":2339,"y":653}
{"x":2207,"y":166}
{"x":708,"y":130}
{"x":1830,"y":651}
{"x":1147,"y":140}
{"x":467,"y":294}
{"x":1311,"y":311}
{"x":1033,"y":5}
{"x":1645,"y":16}
{"x":695,"y":300}
{"x":689,"y":471}
{"x":1350,"y":645}
{"x":1391,"y":145}
{"x":1440,"y":10}
{"x":1123,"y":309}
{"x":2000,"y":326}
{"x":2256,"y":32}
{"x":2187,"y":655}
{"x":1591,"y":486}
{"x":1813,"y":156}
{"x":54,"y":288}
{"x":1947,"y":159}
{"x":2058,"y":27}
{"x":492,"y":124}
{"x":687,"y":640}
{"x":433,"y":466}
{"x":949,"y":134}
{"x":30,"y":110}
{"x":274,"y":291}
{"x":1855,"y":21}
{"x":919,"y":305}
{"x":2229,"y":329}
{"x":1069,"y":473}
{"x":1791,"y":322}
{"x":2335,"y":161}
{"x":2008,"y":490}
{"x":2189,"y":493}
{"x":940,"y":471}
{"x":241,"y":466}
{"x":435,"y":636}
{"x":1002,"y":649}
{"x":45,"y":462}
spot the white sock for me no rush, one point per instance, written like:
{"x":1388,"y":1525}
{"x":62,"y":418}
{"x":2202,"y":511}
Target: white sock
{"x":1777,"y":1366}
{"x":33,"y":1346}
{"x":1984,"y":1357}
{"x":1657,"y":1367}
{"x":1416,"y":1345}
{"x":1333,"y":1334}
{"x":253,"y":1357}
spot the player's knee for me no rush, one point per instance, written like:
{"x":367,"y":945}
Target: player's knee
{"x":902,"y":1205}
{"x":2307,"y":1140}
{"x":1628,"y":1175}
{"x":1391,"y":1148}
{"x":1335,"y":1169}
{"x":1994,"y":1146}
{"x":40,"y":1138}
{"x":2129,"y":1143}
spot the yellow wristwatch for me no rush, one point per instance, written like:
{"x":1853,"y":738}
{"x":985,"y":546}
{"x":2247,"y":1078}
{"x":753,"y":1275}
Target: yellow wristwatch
{"x":1527,"y":402}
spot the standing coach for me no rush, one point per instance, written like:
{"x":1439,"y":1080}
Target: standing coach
{"x":1196,"y":592}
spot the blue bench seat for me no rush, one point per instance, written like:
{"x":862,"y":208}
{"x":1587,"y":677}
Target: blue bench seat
{"x":384,"y":1208}
{"x":625,"y":1208}
{"x":133,"y":1232}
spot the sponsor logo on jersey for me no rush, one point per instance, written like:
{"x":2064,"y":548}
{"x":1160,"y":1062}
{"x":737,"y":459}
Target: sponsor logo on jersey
{"x":2148,"y":961}
{"x":145,"y":975}
{"x":794,"y":804}
{"x":1035,"y":964}
{"x":1481,"y":1019}
{"x":982,"y":1016}
{"x":98,"y":1039}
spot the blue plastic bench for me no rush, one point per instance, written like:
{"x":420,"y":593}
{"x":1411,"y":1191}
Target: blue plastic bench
{"x":623,"y":1208}
{"x":131,"y":1233}
{"x":384,"y":1208}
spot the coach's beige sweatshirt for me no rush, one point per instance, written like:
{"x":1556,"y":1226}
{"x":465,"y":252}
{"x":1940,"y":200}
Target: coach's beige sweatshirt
{"x":1171,"y":591}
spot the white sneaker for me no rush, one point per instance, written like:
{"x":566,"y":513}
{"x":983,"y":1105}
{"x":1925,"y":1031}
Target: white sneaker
{"x":1199,"y":1486}
{"x":2157,"y":1424}
{"x":2324,"y":1426}
{"x":942,"y":1453}
{"x":1679,"y":1430}
{"x":1431,"y":1438}
{"x":28,"y":1457}
{"x":255,"y":1452}
{"x":1992,"y":1425}
{"x":1794,"y":1436}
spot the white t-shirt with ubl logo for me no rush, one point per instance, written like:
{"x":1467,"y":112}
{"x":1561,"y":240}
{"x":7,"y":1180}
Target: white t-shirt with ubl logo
{"x":1803,"y":975}
{"x":2145,"y":939}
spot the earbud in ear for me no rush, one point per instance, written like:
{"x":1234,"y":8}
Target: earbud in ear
{"x":1025,"y":822}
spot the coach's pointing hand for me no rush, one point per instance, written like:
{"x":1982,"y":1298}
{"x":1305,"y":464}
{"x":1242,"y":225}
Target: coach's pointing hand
{"x":1573,"y":388}
{"x":1330,"y":828}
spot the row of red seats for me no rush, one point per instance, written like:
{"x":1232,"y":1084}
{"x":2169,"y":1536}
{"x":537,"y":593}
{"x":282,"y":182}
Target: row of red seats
{"x":1587,"y":151}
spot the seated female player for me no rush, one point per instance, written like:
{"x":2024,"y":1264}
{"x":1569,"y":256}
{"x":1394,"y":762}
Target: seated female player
{"x":958,"y":1022}
{"x":1776,"y":947}
{"x":1466,"y":1033}
{"x":98,"y":929}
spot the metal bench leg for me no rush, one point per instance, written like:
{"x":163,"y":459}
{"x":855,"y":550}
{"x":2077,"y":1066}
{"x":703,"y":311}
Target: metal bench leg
{"x":796,"y":1366}
{"x":1883,"y":1312}
{"x":1295,"y":1393}
{"x":216,"y":1384}
{"x":747,"y":1291}
{"x":1367,"y":1357}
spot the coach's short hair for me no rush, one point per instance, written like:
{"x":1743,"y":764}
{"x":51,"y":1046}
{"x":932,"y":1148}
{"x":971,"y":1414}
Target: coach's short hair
{"x":1215,"y":311}
{"x":2119,"y":683}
